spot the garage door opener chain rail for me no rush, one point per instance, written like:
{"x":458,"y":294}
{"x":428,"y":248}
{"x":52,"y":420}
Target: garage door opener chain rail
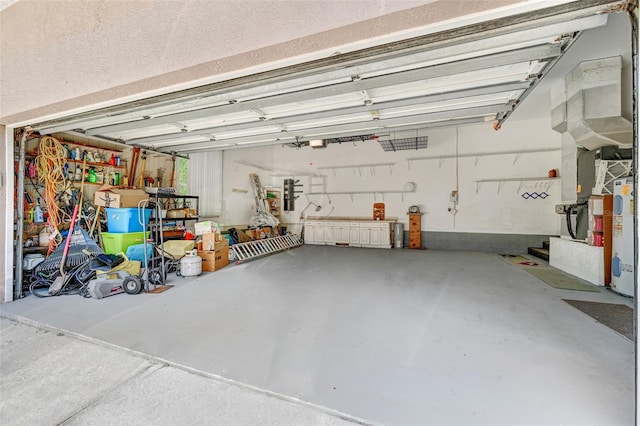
{"x":255,"y":249}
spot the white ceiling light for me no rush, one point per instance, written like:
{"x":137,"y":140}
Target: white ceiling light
{"x":318,"y":143}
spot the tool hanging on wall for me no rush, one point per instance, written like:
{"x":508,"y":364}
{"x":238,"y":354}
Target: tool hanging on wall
{"x":142,"y":167}
{"x":135,"y":154}
{"x":290,"y":194}
{"x":173,"y":169}
{"x":98,"y":230}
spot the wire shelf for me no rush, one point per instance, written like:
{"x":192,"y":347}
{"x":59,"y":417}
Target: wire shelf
{"x":404,"y":144}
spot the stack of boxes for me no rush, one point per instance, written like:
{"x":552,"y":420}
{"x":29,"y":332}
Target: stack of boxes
{"x":213,"y":247}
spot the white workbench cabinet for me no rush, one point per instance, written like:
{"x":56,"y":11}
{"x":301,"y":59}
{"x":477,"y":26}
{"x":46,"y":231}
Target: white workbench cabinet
{"x":313,"y":233}
{"x":361,"y":233}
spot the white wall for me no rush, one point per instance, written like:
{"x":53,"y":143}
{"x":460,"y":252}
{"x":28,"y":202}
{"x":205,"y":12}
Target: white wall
{"x":485,"y":211}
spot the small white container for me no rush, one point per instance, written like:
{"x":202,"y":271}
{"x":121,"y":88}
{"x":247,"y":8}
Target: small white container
{"x":43,"y":237}
{"x":30,"y":261}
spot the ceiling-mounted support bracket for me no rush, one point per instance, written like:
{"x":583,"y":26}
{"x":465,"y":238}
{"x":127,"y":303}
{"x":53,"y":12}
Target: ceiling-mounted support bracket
{"x":516,"y":158}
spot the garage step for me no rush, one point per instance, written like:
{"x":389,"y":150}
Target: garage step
{"x":540,"y":252}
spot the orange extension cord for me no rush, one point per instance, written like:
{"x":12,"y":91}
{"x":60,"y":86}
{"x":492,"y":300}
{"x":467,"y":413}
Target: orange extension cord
{"x":51,"y":162}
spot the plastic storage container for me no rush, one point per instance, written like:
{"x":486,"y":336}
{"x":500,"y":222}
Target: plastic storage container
{"x":125,"y":219}
{"x":136,"y":252}
{"x":115,"y":243}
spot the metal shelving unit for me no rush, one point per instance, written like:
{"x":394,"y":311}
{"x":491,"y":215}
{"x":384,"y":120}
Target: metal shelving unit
{"x":171,"y":201}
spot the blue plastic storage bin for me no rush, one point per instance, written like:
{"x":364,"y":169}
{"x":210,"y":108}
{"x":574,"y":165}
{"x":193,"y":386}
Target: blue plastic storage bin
{"x":125,"y":220}
{"x":136,"y":252}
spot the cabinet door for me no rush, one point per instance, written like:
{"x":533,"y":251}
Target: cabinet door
{"x":365,"y":237}
{"x":329,"y":234}
{"x":354,"y":236}
{"x":375,"y":232}
{"x":385,"y":234}
{"x":341,"y":233}
{"x":314,"y":233}
{"x":318,"y":237}
{"x":309,"y":233}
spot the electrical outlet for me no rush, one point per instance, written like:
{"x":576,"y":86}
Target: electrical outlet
{"x":453,"y":197}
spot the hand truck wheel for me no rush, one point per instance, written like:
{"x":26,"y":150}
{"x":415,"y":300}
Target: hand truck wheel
{"x":132,"y":285}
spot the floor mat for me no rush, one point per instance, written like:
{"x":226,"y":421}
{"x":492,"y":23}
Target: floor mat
{"x":617,"y":317}
{"x":559,"y":279}
{"x":516,"y":259}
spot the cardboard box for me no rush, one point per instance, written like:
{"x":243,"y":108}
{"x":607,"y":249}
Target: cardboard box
{"x":214,"y":241}
{"x":116,"y":197}
{"x":206,"y":227}
{"x":214,"y":260}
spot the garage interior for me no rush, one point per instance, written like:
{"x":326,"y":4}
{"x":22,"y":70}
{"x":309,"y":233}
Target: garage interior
{"x":425,"y":180}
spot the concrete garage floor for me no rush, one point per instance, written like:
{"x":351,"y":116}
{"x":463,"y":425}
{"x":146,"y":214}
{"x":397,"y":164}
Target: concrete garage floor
{"x":389,"y":336}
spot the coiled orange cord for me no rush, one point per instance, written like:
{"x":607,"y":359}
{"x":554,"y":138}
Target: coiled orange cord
{"x":51,"y":162}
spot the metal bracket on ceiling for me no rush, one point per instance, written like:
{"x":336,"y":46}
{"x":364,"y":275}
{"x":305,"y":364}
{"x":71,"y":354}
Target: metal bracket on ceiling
{"x":365,"y":97}
{"x":516,"y":158}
